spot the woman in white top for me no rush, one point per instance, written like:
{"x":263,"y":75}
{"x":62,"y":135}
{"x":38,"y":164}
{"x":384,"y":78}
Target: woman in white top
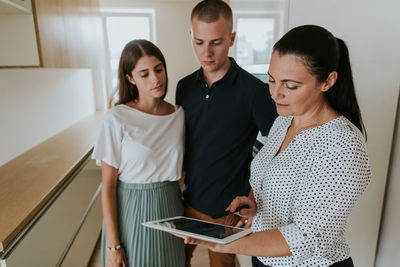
{"x":140,"y":149}
{"x":313,"y":166}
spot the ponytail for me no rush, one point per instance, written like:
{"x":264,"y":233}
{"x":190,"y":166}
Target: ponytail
{"x":323,"y":54}
{"x":342,"y":96}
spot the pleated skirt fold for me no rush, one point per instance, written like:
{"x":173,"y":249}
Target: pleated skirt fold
{"x":145,"y":247}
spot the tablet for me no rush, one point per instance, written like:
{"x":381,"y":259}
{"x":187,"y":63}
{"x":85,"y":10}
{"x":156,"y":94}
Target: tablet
{"x":203,"y":230}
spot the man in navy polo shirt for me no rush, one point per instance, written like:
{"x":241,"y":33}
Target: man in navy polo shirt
{"x":225,"y":107}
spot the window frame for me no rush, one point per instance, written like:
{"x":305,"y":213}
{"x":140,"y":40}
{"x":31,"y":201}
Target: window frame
{"x":276,"y":15}
{"x":149,"y":13}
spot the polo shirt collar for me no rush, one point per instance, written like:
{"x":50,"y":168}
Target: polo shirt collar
{"x":229,"y":75}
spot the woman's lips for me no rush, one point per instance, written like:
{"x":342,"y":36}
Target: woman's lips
{"x":281,"y":105}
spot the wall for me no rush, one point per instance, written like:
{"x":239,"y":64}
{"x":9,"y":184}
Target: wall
{"x":35,"y":104}
{"x":372,"y":33}
{"x":18,"y":45}
{"x":389,"y":239}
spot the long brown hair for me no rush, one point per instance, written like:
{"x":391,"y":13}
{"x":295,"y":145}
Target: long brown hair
{"x":133,"y":51}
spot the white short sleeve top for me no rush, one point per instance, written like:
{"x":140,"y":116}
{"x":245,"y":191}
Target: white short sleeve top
{"x":308,"y":190}
{"x":144,"y":148}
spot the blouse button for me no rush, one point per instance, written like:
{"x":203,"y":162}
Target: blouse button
{"x":207,"y":96}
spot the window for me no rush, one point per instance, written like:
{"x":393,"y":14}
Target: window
{"x":122,"y":26}
{"x":256,"y":34}
{"x":254,"y":40}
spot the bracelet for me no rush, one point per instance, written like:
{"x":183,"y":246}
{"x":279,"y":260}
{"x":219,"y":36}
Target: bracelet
{"x":114,"y":248}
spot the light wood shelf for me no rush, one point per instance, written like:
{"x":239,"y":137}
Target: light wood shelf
{"x":30,"y":180}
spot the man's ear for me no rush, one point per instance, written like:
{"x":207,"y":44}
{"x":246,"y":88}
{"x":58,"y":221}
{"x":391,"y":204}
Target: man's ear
{"x":191,"y":34}
{"x":330,"y":81}
{"x":130,"y":79}
{"x":233,"y":36}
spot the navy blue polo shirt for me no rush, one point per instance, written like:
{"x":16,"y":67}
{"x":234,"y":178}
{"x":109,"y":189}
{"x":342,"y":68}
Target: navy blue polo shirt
{"x":222,"y":123}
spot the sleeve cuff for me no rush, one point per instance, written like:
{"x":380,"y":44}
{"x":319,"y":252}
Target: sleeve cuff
{"x":292,"y":234}
{"x":106,"y":160}
{"x":299,"y":246}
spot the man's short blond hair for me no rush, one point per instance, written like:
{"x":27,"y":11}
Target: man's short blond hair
{"x":210,"y":11}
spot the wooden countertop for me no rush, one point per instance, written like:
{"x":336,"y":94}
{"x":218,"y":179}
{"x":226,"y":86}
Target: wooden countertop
{"x":28,"y":181}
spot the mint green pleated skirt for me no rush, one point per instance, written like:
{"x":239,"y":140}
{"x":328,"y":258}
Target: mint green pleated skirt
{"x":145,"y":247}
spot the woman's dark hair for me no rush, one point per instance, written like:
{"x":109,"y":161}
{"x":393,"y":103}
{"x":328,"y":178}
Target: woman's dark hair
{"x":323,"y":53}
{"x":133,"y":51}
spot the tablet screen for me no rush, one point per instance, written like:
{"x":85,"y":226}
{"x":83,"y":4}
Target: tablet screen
{"x":202,"y":228}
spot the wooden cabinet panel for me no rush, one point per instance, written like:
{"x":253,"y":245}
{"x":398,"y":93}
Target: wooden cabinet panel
{"x":70,"y":33}
{"x":67,"y":220}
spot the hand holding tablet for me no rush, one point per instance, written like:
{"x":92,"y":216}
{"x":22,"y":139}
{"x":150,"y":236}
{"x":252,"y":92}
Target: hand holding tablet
{"x":203,"y":230}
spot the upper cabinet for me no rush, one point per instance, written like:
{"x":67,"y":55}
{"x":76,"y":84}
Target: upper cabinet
{"x":15,"y":7}
{"x":18,"y":46}
{"x":70,"y":33}
{"x":51,"y":34}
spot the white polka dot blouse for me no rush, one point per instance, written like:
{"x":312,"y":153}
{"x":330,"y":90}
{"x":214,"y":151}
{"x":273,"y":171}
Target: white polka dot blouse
{"x":308,"y":190}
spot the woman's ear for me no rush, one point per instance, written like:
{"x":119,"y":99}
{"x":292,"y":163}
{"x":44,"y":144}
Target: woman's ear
{"x":330,"y":81}
{"x":130,"y":79}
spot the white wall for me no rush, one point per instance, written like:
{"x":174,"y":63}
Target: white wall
{"x":372,"y":32}
{"x":18,"y":45}
{"x":35,"y":104}
{"x":389,"y":239}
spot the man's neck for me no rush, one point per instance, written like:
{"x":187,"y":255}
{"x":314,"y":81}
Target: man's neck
{"x":214,"y":76}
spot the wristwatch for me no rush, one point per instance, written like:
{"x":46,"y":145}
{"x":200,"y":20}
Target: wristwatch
{"x":114,"y":248}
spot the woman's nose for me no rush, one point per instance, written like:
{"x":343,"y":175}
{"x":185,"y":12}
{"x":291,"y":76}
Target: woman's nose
{"x":275,"y":91}
{"x":154,"y":77}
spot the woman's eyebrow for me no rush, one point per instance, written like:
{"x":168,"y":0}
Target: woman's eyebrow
{"x":285,"y":80}
{"x":291,"y":80}
{"x":143,"y":70}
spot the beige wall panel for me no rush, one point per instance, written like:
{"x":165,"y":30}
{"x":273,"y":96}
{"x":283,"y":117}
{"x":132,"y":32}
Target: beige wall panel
{"x":51,"y":32}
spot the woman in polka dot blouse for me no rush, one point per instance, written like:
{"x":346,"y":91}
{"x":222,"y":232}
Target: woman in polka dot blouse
{"x":314,"y":165}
